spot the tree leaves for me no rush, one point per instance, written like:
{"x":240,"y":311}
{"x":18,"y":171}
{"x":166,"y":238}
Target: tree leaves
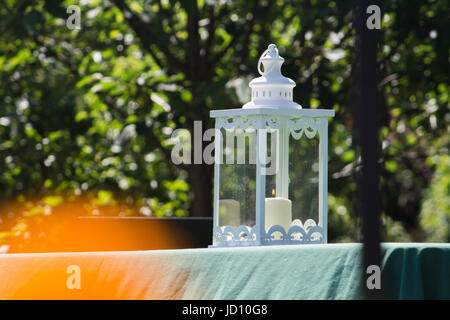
{"x":66,"y":97}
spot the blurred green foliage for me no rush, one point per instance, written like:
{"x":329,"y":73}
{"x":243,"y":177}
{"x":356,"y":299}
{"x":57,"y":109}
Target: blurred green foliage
{"x":89,"y":113}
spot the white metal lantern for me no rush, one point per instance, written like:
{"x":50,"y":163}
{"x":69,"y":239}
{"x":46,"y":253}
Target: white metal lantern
{"x":270,"y":174}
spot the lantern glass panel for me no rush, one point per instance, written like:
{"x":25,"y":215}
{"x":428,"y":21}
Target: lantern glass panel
{"x":304,"y":178}
{"x":291,"y":181}
{"x":237,"y":179}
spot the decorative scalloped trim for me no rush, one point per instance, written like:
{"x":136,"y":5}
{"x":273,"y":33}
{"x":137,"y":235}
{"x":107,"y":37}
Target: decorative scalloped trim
{"x":229,"y":236}
{"x":309,"y":126}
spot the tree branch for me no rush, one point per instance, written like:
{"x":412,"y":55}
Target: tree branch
{"x":238,"y":34}
{"x":193,"y":54}
{"x":247,"y":32}
{"x":148,"y":37}
{"x":52,"y":53}
{"x":169,"y":15}
{"x":210,"y":41}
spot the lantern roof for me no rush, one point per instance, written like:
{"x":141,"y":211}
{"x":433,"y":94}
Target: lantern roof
{"x":271,"y":89}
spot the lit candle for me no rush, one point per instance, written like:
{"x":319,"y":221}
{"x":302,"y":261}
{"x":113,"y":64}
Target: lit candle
{"x":229,"y":212}
{"x":278,"y":212}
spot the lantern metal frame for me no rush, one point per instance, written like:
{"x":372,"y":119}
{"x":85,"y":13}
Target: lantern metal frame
{"x":291,"y":120}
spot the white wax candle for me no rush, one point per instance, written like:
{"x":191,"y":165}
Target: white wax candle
{"x":278,"y":212}
{"x":229,"y":212}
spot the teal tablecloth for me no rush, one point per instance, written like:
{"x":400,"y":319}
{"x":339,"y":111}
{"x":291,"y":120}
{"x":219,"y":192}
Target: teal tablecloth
{"x":409,"y":271}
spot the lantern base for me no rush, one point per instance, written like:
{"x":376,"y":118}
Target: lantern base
{"x":245,"y":236}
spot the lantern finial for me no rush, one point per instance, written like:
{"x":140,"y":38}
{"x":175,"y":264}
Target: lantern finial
{"x":269,"y":59}
{"x":272,"y":89}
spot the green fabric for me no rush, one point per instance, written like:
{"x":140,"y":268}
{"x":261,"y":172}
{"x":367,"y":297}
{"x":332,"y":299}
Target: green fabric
{"x":409,"y":271}
{"x":416,"y":271}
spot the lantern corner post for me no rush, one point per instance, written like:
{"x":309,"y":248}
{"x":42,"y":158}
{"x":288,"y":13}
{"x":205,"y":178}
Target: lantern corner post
{"x":323,"y":177}
{"x":217,"y":162}
{"x":261,"y":147}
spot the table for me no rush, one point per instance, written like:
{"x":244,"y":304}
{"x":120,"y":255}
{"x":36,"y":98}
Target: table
{"x":332,"y":271}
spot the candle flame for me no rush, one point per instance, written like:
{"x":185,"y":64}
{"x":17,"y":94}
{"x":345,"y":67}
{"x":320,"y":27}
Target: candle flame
{"x":273,"y":192}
